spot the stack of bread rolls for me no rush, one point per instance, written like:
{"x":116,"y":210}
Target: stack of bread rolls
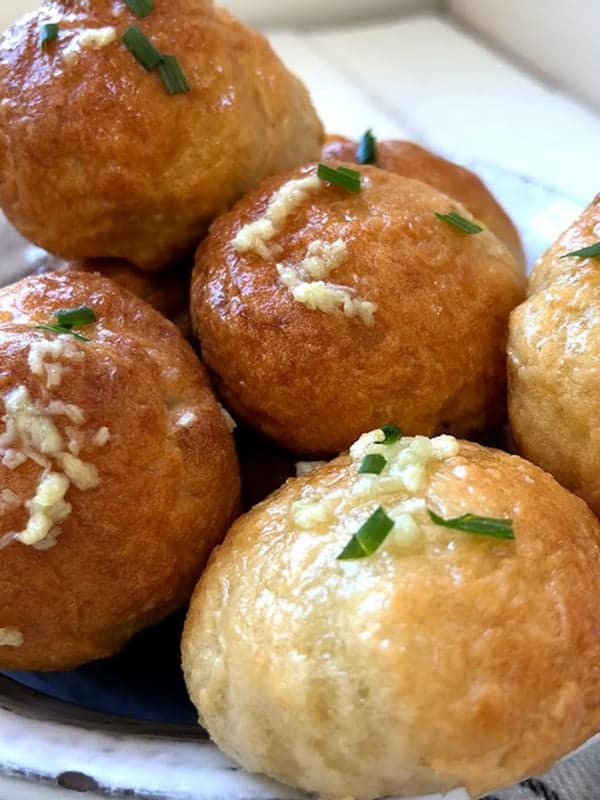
{"x":414,"y":615}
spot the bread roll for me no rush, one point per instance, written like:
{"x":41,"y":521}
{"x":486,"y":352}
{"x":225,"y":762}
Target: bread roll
{"x":324,"y":312}
{"x":117,"y":472}
{"x":98,"y":160}
{"x":441,"y":659}
{"x":554,"y":362}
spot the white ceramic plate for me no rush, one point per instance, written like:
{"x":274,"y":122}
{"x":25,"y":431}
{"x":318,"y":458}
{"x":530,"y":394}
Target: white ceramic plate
{"x":57,"y":743}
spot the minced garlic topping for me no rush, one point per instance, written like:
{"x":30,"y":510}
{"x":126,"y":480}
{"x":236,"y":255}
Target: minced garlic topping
{"x":11,"y":637}
{"x":92,"y":38}
{"x":9,"y":499}
{"x":186,"y":419}
{"x":30,"y":430}
{"x":306,"y":467}
{"x":101,"y":437}
{"x":305,"y":281}
{"x":63,"y":347}
{"x":84,"y":476}
{"x":46,"y":508}
{"x":327,"y":297}
{"x":408,"y":460}
{"x":255,"y":235}
{"x":399,"y":488}
{"x":306,"y":285}
{"x":321,"y":258}
{"x":11,"y":459}
{"x":57,"y":408}
{"x":30,"y":433}
{"x":28,"y":424}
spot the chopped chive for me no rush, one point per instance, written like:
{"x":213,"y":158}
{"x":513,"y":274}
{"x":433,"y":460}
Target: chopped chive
{"x":366,"y":152}
{"x":462,"y":224}
{"x":368,"y":537}
{"x":372,"y":464}
{"x":341,"y":176}
{"x":593,"y":251}
{"x":141,"y":8}
{"x":173,"y":76}
{"x":352,"y":173}
{"x":67,"y":319}
{"x":471,"y":523}
{"x":61,"y":329}
{"x":74,"y":317}
{"x":391,"y":434}
{"x":141,"y":48}
{"x":48,"y":33}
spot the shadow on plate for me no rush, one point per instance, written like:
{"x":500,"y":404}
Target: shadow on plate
{"x":144,"y":682}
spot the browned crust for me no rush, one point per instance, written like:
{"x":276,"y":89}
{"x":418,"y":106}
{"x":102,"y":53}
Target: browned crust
{"x":132,"y":548}
{"x":413,"y":161}
{"x":97,"y":160}
{"x":434,"y":359}
{"x":479,"y":659}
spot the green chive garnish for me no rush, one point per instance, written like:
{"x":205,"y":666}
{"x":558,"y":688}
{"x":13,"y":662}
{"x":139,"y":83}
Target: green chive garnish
{"x":391,"y":434}
{"x":462,"y":224}
{"x":141,"y":48}
{"x":366,"y":152}
{"x":173,"y":76}
{"x":60,"y":329}
{"x":471,"y":523}
{"x":368,"y":537}
{"x":593,"y":251}
{"x":141,"y":8}
{"x":341,"y":176}
{"x":74,"y":317}
{"x":48,"y":33}
{"x":68,"y":319}
{"x":351,"y":173}
{"x":372,"y":464}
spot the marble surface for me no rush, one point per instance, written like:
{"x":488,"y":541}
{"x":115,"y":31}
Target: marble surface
{"x":555,"y":38}
{"x":427,"y":78}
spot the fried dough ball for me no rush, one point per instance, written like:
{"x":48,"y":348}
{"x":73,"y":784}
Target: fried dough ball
{"x":412,"y":161}
{"x":167,"y":291}
{"x":554,"y":362}
{"x":442,"y":659}
{"x":117,"y":471}
{"x":324,"y":313}
{"x":98,"y":160}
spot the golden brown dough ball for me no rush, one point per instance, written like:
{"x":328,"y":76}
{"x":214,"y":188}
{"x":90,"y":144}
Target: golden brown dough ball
{"x":97,"y":159}
{"x":440,"y":659}
{"x":324,"y":312}
{"x":167,"y":291}
{"x":554,"y":362}
{"x":413,"y":161}
{"x":117,"y":471}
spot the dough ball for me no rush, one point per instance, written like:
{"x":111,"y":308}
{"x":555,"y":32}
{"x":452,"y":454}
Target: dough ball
{"x":442,"y":659}
{"x":324,"y":313}
{"x":554,"y":362}
{"x":117,"y":471}
{"x":98,"y":160}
